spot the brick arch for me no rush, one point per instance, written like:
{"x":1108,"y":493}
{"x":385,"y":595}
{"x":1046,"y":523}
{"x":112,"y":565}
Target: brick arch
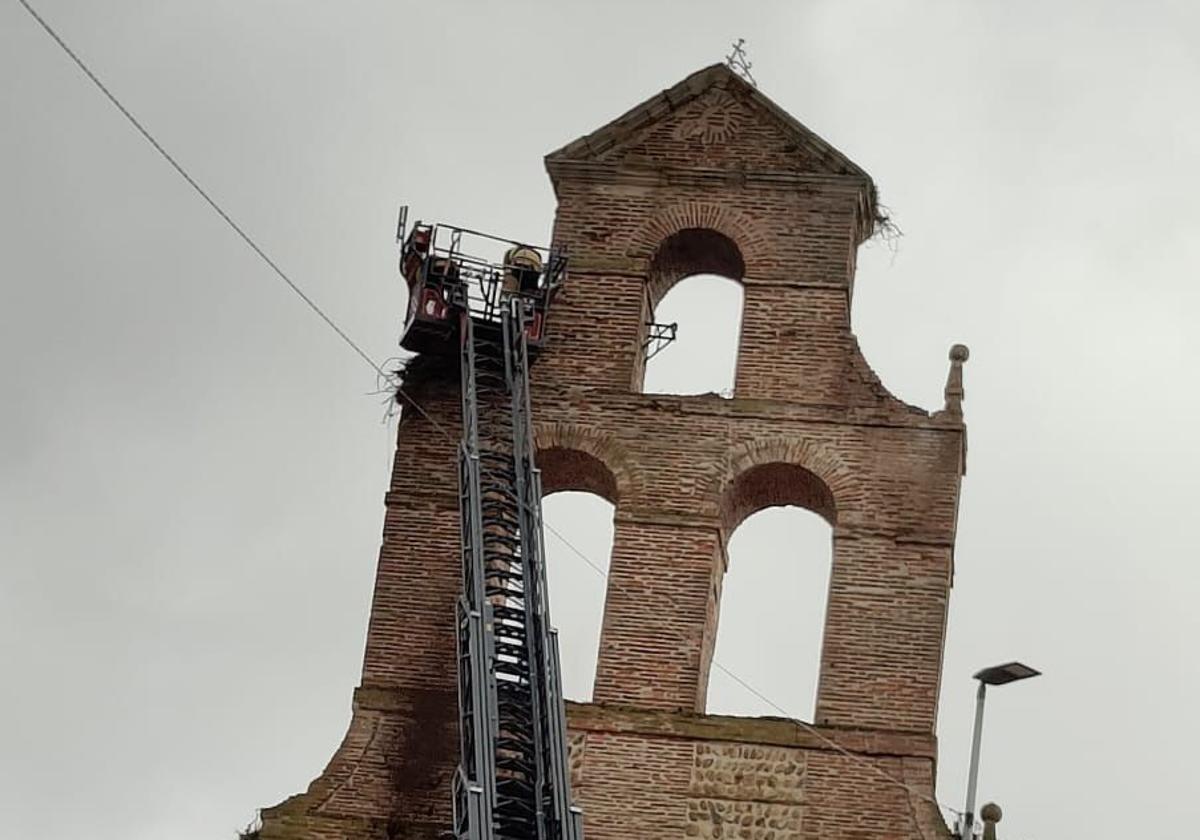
{"x":759,"y":471}
{"x":730,"y":223}
{"x":696,"y":214}
{"x":575,"y":457}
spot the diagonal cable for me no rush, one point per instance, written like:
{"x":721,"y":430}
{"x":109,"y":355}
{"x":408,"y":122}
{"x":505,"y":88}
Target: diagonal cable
{"x":220,"y":211}
{"x":812,"y":730}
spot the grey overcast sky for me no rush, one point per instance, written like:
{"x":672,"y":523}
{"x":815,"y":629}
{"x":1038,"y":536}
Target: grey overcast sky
{"x":192,"y":468}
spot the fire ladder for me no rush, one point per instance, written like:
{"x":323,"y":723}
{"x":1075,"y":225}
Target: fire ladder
{"x":513,"y":781}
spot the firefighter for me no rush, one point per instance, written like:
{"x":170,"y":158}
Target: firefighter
{"x":415,"y":252}
{"x":522,"y":270}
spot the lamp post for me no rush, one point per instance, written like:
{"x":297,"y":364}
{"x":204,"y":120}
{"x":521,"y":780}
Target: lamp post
{"x":996,"y":675}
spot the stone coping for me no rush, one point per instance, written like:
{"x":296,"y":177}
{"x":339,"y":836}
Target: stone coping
{"x":766,"y":731}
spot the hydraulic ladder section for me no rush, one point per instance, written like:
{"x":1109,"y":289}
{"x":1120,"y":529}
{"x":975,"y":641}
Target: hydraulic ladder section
{"x":513,"y":781}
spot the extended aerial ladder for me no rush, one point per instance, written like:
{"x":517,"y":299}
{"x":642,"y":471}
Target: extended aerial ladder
{"x":513,"y":781}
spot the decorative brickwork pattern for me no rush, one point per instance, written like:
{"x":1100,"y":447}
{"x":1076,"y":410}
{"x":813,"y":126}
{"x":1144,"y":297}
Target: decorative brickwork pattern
{"x":576,"y":754}
{"x":708,"y":176}
{"x":748,"y":772}
{"x":723,"y":819}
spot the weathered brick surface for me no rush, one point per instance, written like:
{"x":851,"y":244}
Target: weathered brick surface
{"x":706,"y":177}
{"x":728,"y":777}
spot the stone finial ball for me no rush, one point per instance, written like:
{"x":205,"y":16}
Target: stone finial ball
{"x":959,"y":353}
{"x":991,"y":813}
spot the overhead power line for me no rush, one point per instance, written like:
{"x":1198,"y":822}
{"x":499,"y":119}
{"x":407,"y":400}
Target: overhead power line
{"x":220,"y":211}
{"x":183,"y":173}
{"x":812,"y":730}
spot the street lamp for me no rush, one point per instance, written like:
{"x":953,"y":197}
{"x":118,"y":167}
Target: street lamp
{"x":996,"y":675}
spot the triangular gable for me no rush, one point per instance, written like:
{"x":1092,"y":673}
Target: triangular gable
{"x":713,"y":119}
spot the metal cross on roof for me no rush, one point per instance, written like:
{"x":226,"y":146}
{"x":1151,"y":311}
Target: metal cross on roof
{"x":739,"y":63}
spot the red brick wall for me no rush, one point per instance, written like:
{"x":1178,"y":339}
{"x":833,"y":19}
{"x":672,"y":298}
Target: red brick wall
{"x":809,"y":424}
{"x":672,"y":775}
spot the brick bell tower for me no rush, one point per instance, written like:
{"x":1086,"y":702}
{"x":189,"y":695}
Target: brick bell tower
{"x":707,"y":177}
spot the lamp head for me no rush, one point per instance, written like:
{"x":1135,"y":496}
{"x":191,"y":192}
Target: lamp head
{"x":1003,"y":674}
